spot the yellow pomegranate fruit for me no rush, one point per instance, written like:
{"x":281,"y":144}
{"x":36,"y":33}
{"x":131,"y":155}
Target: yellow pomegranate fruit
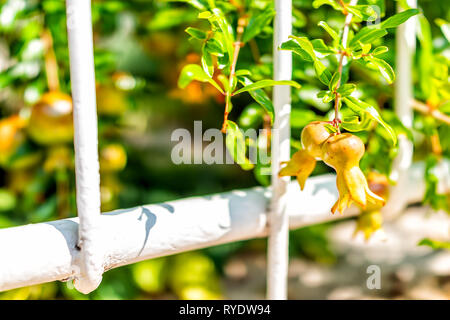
{"x":51,"y":119}
{"x":11,"y":137}
{"x":369,"y":222}
{"x":379,"y":184}
{"x":110,"y":188}
{"x":301,"y":165}
{"x":112,"y":158}
{"x":9,"y":132}
{"x":18,"y":180}
{"x":342,"y":150}
{"x":313,"y":136}
{"x":343,"y":153}
{"x":111,"y":101}
{"x":58,"y":158}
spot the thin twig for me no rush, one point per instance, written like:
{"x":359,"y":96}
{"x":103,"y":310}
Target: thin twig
{"x":51,"y":66}
{"x":435,"y":113}
{"x":348,"y":20}
{"x":436,"y":146}
{"x":237,"y":46}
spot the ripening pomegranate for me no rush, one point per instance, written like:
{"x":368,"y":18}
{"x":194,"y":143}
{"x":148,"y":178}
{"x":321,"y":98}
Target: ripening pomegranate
{"x":313,"y":136}
{"x":301,"y":165}
{"x":343,"y":153}
{"x":113,"y":157}
{"x":51,"y":120}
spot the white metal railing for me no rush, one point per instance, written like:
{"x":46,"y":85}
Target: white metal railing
{"x":87,"y":171}
{"x":83,"y":248}
{"x":48,"y":251}
{"x":405,"y":48}
{"x":277,"y":250}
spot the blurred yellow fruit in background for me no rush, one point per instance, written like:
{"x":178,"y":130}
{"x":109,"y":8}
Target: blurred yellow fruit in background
{"x":194,"y":276}
{"x":110,"y":101}
{"x":150,"y":276}
{"x":113,"y":157}
{"x":51,"y":120}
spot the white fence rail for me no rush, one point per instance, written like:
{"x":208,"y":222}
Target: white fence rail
{"x":45,"y":252}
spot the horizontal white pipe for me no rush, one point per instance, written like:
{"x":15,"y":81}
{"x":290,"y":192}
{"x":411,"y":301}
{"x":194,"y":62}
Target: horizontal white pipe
{"x":45,"y":252}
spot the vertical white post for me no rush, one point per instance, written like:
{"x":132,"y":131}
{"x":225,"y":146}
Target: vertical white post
{"x":79,"y":29}
{"x":405,"y":48}
{"x":278,"y":219}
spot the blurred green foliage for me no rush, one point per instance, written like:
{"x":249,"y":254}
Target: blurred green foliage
{"x":141,"y":48}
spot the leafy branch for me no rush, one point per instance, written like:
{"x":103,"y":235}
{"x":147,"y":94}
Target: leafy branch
{"x":220,"y":53}
{"x":354,"y":47}
{"x":427,"y":110}
{"x":343,"y":53}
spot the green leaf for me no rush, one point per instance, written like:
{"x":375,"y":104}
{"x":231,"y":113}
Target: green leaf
{"x":235,"y":142}
{"x":426,"y":58}
{"x":171,"y":17}
{"x":330,"y":128}
{"x":317,"y":3}
{"x":293,"y":46}
{"x":363,"y":12}
{"x":334,"y":81}
{"x":366,"y":35}
{"x":434,"y":244}
{"x":380,"y":50}
{"x":329,"y":30}
{"x":243,"y":72}
{"x":216,"y":18}
{"x":306,"y":45}
{"x":394,"y":121}
{"x":322,"y":72}
{"x":260,"y":96}
{"x":207,"y":62}
{"x":251,"y":116}
{"x":307,"y":51}
{"x":346,"y":89}
{"x":322,"y":93}
{"x":195,"y":3}
{"x":5,"y":79}
{"x":194,"y":72}
{"x":436,"y":200}
{"x":355,"y":123}
{"x":365,"y":48}
{"x":380,"y":5}
{"x":445,"y":27}
{"x":386,"y":70}
{"x":320,"y":46}
{"x":398,"y":18}
{"x":224,"y":81}
{"x":205,"y":15}
{"x":266,"y":83}
{"x":257,"y":23}
{"x":213,"y":46}
{"x":262,"y":174}
{"x":301,"y":117}
{"x":327,"y":96}
{"x":196,"y":33}
{"x":7,"y":200}
{"x":359,"y":107}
